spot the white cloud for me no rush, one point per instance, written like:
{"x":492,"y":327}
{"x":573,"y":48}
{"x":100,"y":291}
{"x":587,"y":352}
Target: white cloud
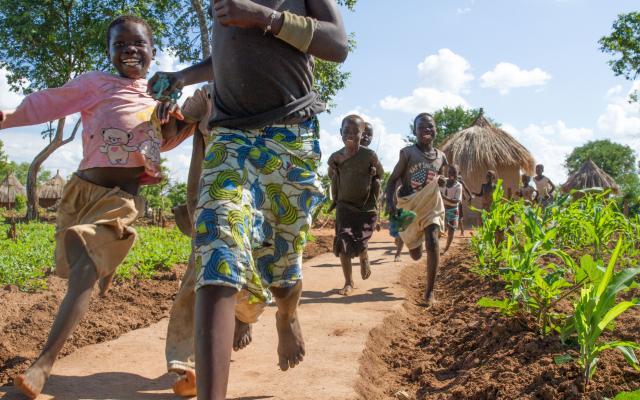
{"x":446,"y":71}
{"x":386,"y":144}
{"x":422,"y":99}
{"x":506,"y":76}
{"x":467,"y":7}
{"x":621,"y":119}
{"x":550,"y":144}
{"x":8,"y":99}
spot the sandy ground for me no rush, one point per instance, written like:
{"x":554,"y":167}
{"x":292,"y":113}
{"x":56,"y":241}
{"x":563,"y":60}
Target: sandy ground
{"x":335,"y":328}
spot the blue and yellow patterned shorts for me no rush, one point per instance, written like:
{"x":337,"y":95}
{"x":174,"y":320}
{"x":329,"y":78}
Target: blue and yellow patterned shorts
{"x":258,"y":191}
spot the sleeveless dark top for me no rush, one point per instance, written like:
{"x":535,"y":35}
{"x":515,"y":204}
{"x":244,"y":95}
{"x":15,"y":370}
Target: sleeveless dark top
{"x":259,"y":79}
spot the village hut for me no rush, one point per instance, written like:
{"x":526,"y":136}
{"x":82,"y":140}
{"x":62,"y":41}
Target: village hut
{"x":590,"y":176}
{"x":51,"y":191}
{"x":9,"y":189}
{"x":483,"y":147}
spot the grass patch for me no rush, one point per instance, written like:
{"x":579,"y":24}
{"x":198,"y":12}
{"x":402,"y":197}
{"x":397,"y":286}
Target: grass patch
{"x":26,"y":261}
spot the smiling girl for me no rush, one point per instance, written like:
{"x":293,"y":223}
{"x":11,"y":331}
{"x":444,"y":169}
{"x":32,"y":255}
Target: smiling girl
{"x":121,"y":146}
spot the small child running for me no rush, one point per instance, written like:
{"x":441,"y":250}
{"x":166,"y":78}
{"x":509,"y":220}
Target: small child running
{"x":460,"y":208}
{"x":452,"y":196}
{"x":121,"y":151}
{"x":356,"y":213}
{"x":418,"y":173}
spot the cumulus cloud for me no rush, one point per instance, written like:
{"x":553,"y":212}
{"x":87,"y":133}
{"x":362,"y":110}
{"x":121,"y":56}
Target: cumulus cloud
{"x":507,"y":76}
{"x":550,"y":144}
{"x":621,"y":119}
{"x":422,"y":99}
{"x":446,"y":71}
{"x":445,"y":76}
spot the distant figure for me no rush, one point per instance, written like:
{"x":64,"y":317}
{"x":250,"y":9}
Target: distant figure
{"x":351,"y":170}
{"x":469,"y":197}
{"x":544,"y":187}
{"x":451,"y":193}
{"x":526,"y":192}
{"x":487,"y":189}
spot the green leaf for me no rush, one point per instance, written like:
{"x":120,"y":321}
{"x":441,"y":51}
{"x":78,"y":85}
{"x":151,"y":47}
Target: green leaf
{"x":615,"y":312}
{"x":493,"y":303}
{"x":635,"y":395}
{"x":562,"y":359}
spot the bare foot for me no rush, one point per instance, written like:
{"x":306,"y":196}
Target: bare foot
{"x":416,"y":253}
{"x":429,"y":299}
{"x":104,"y":284}
{"x":365,"y":269}
{"x":241,"y":335}
{"x":396,"y":259}
{"x":31,"y":382}
{"x":444,"y":251}
{"x":290,"y":342}
{"x":346,"y":290}
{"x":185,"y":386}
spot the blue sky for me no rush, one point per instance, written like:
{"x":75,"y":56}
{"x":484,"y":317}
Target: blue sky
{"x":534,"y":65}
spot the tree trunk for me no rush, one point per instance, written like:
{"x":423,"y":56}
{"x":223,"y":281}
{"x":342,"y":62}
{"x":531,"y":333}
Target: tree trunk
{"x":202,"y":24}
{"x":32,"y":176}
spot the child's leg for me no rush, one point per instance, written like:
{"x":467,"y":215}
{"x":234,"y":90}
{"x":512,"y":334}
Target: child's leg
{"x":214,"y":326}
{"x":461,"y":220}
{"x":433,"y":259}
{"x":291,"y":350}
{"x":347,"y":270}
{"x":399,"y":245}
{"x":365,"y":268}
{"x":82,"y":278}
{"x":450,"y":231}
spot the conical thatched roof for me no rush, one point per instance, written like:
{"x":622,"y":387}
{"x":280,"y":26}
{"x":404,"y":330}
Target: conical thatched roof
{"x":483,"y":146}
{"x":590,"y":176}
{"x":9,"y":188}
{"x":52,"y":189}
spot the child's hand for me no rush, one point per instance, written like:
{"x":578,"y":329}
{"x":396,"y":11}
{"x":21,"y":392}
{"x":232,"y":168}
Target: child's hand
{"x":176,"y":81}
{"x":166,"y":110}
{"x":240,"y":13}
{"x":373,"y":171}
{"x":441,"y":181}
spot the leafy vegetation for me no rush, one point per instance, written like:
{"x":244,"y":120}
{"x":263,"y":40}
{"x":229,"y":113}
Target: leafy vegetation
{"x":27,"y":261}
{"x":533,"y":251}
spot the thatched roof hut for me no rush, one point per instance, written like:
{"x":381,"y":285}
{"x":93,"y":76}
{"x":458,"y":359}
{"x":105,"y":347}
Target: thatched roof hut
{"x":51,"y":191}
{"x":590,"y":176}
{"x":9,"y":189}
{"x":483,"y":147}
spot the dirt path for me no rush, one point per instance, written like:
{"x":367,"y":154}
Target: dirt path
{"x":336,"y":330}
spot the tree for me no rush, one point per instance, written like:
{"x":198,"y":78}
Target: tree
{"x":615,"y":159}
{"x":46,"y":43}
{"x":624,"y":44}
{"x":449,"y":121}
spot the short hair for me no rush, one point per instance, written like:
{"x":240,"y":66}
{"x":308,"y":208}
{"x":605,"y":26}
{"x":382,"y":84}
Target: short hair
{"x":422,"y":116}
{"x":128,"y":18}
{"x":492,"y":173}
{"x":452,"y":168}
{"x":352,"y":118}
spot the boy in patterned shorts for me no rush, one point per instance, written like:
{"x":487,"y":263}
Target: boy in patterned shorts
{"x":259,"y":183}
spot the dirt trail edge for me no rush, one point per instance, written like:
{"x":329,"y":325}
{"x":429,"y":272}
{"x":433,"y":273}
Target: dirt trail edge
{"x":335,"y":328}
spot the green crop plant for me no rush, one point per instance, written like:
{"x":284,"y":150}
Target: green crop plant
{"x":596,"y":310}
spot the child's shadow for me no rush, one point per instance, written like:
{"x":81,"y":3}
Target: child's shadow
{"x":101,"y":386}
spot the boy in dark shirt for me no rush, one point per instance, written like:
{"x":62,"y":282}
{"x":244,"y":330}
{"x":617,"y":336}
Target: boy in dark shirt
{"x":356,"y":213}
{"x":419,"y":172}
{"x":259,"y":184}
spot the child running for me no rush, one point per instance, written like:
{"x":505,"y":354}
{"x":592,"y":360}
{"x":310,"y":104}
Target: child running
{"x":526,"y":192}
{"x":121,"y":151}
{"x":259,"y":184}
{"x":487,"y":189}
{"x":350,"y":169}
{"x":452,"y":196}
{"x":376,"y":183}
{"x":544,"y":187}
{"x":468,"y":198}
{"x":418,"y":172}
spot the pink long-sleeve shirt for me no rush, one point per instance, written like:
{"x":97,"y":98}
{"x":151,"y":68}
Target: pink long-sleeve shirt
{"x":117,"y":125}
